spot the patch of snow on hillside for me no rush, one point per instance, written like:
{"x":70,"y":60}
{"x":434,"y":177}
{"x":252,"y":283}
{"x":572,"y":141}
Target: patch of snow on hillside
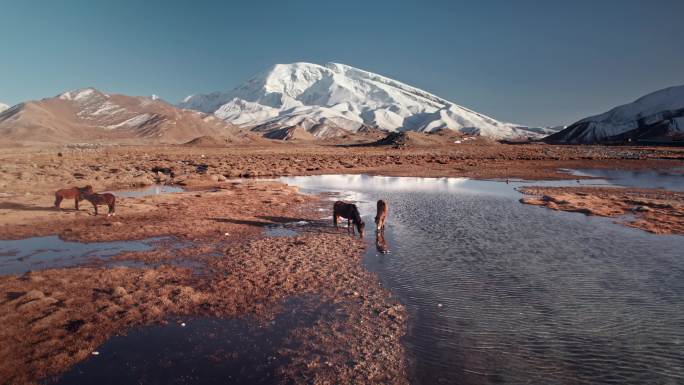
{"x":132,"y":122}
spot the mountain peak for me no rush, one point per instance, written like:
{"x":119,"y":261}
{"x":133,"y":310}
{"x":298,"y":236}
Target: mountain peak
{"x":80,"y":94}
{"x":3,"y":107}
{"x":342,"y":97}
{"x":655,"y":117}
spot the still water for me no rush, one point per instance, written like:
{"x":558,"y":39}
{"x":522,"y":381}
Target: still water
{"x":504,"y":293}
{"x":198,"y":350}
{"x":40,"y":253}
{"x":155,"y":189}
{"x":670,"y":180}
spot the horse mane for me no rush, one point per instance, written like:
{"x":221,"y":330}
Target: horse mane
{"x":356,"y":216}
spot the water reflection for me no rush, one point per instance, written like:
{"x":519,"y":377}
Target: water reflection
{"x":279,"y":231}
{"x":199,"y":350}
{"x":636,"y":178}
{"x":381,"y":243}
{"x":39,"y":253}
{"x":352,"y":185}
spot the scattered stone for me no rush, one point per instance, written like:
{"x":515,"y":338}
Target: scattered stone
{"x":119,"y":292}
{"x":643,"y":209}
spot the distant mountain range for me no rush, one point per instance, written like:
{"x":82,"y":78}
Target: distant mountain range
{"x":88,"y":115}
{"x":655,"y":118}
{"x":331,"y":100}
{"x":306,"y":102}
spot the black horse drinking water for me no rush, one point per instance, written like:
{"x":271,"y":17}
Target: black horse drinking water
{"x":350,"y":212}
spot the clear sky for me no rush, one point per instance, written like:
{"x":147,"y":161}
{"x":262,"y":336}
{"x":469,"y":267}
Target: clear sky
{"x":530,"y":62}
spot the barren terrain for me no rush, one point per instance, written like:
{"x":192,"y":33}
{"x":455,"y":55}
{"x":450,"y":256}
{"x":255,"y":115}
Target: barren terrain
{"x":54,"y":318}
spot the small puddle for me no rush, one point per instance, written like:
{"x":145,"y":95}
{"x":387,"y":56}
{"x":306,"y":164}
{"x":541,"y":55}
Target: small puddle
{"x":279,"y":231}
{"x":40,"y":253}
{"x":284,"y":230}
{"x":149,"y":190}
{"x":204,"y":351}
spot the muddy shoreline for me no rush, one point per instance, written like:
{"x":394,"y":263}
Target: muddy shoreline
{"x":55,"y":318}
{"x":120,"y":167}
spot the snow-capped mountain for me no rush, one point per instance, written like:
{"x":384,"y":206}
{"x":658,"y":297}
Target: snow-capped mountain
{"x":90,"y":115}
{"x":3,"y":107}
{"x":333,"y":99}
{"x":656,"y":117}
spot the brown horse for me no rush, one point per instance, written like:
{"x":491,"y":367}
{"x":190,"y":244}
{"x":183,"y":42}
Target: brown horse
{"x":381,"y":216}
{"x":75,"y":193}
{"x":102,"y":199}
{"x":350,"y":212}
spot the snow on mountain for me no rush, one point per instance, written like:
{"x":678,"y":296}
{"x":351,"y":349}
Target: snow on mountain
{"x":658,"y":116}
{"x":3,"y":107}
{"x":207,"y":103}
{"x":87,"y":114}
{"x":342,"y":98}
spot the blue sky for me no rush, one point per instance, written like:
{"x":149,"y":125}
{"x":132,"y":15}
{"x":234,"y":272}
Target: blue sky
{"x":530,"y":62}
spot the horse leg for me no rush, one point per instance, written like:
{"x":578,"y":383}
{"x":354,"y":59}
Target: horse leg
{"x":76,"y":203}
{"x":335,"y":218}
{"x":58,"y":202}
{"x":95,"y":206}
{"x":111,"y":209}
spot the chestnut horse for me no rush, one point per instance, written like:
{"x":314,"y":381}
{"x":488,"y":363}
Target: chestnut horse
{"x":350,"y":212}
{"x":102,"y":199}
{"x":75,"y":193}
{"x":381,"y":216}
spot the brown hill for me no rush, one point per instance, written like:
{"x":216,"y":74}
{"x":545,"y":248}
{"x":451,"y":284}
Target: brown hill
{"x":410,"y":138}
{"x":88,"y":115}
{"x":223,"y":141}
{"x":297,"y":133}
{"x":443,"y":137}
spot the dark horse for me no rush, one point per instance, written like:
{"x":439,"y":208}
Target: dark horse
{"x":75,"y":193}
{"x":102,"y":199}
{"x":350,"y":212}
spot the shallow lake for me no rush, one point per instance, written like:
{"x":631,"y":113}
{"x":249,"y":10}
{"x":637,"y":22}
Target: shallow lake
{"x":504,"y":293}
{"x":673,"y":180}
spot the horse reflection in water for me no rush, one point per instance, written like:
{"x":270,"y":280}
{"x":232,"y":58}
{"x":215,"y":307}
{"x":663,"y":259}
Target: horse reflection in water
{"x":381,"y":243}
{"x":380,"y":218}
